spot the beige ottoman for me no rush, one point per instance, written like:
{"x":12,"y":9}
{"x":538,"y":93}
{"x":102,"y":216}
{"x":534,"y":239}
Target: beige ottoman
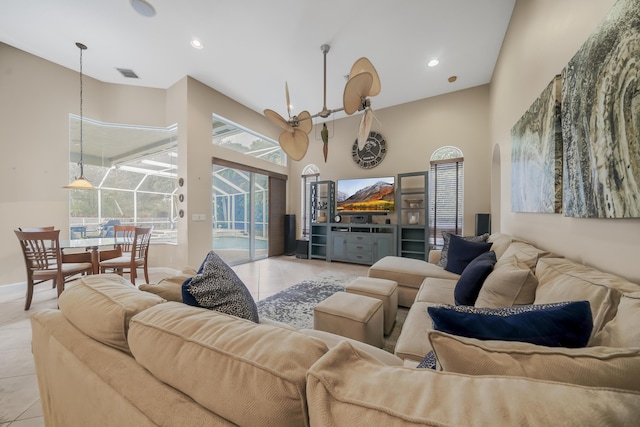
{"x":353,"y":316}
{"x":383,"y":289}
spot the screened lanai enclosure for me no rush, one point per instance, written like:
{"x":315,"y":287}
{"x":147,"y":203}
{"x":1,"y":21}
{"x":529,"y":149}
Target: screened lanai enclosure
{"x":240,"y":214}
{"x":240,"y":197}
{"x":134,"y":172}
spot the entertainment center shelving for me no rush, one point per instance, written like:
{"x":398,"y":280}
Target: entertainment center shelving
{"x":323,"y":205}
{"x":366,"y":243}
{"x":413,"y":216}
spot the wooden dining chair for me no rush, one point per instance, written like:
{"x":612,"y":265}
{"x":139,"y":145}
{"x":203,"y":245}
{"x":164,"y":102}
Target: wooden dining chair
{"x":124,"y":236}
{"x":46,"y":228}
{"x":136,"y":259}
{"x":44,"y":261}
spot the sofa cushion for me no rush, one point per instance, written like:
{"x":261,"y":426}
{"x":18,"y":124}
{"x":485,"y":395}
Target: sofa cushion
{"x":564,"y":280}
{"x":589,"y":366}
{"x":446,"y":238}
{"x":346,"y":387}
{"x":218,"y":287}
{"x":510,"y":283}
{"x":438,"y":291}
{"x":462,"y":252}
{"x":407,"y":271}
{"x":565,"y":324}
{"x":332,"y":340}
{"x":413,"y":342}
{"x":102,"y":305}
{"x":622,"y":330}
{"x":248,"y":373}
{"x":472,"y":278}
{"x":169,"y":288}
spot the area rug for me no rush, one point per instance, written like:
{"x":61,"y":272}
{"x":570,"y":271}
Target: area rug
{"x":294,"y":305}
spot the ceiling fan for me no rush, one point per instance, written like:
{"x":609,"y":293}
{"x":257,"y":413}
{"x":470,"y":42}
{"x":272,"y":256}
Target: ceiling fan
{"x":363,"y":82}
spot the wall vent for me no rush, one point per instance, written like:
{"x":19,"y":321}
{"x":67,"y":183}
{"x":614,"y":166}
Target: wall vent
{"x":130,"y":74}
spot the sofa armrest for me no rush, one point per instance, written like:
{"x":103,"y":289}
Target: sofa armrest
{"x":434,"y":255}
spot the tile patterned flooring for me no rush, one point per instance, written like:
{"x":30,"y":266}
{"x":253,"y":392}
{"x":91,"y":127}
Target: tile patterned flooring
{"x":19,"y":397}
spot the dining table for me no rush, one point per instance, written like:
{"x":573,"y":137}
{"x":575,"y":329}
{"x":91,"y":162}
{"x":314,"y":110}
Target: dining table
{"x":97,"y":249}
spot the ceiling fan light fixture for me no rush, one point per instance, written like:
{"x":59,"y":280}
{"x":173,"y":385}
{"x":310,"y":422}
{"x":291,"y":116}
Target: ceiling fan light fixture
{"x":363,"y":81}
{"x":143,"y":7}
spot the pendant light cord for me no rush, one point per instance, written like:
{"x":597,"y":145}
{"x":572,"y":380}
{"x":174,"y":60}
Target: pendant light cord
{"x":82,"y":47}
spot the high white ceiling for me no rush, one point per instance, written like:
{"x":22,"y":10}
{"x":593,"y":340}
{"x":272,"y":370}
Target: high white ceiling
{"x":251,"y":47}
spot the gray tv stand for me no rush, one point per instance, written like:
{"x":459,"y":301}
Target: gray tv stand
{"x":361,"y":243}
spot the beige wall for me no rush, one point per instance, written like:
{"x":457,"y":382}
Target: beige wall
{"x":37,"y":97}
{"x":542,"y":37}
{"x":413,"y":131}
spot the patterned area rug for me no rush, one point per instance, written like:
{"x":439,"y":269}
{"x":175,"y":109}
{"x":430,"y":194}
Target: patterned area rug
{"x":294,"y":306}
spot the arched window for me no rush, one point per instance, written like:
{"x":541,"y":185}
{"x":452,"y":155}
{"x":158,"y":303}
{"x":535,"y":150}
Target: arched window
{"x":446,"y":193}
{"x":310,"y":174}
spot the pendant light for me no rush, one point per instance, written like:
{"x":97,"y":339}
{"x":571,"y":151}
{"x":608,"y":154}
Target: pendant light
{"x":80,"y":183}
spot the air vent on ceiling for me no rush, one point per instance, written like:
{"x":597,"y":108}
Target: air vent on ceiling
{"x":130,"y":74}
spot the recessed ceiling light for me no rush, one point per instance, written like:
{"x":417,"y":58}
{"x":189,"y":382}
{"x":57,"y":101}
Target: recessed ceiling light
{"x":143,"y":8}
{"x":433,"y":62}
{"x":197,"y":44}
{"x":452,"y":79}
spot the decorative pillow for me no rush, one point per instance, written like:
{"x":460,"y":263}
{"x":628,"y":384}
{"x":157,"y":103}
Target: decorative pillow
{"x":588,"y":366}
{"x":462,"y":252}
{"x":445,"y":247}
{"x":564,"y":324}
{"x":510,"y":283}
{"x":429,"y":361}
{"x":217,"y":287}
{"x":472,"y":278}
{"x":618,"y":332}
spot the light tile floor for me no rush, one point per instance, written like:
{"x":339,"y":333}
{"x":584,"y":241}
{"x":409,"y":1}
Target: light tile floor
{"x":19,"y":397}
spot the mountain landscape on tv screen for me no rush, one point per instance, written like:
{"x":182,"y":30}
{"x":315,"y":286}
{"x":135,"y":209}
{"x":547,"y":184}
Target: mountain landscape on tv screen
{"x":379,"y":196}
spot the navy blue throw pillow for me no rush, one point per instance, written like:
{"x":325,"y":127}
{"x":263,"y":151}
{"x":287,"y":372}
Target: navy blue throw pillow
{"x":218,"y":287}
{"x":472,"y":278}
{"x":462,"y":252}
{"x":565,"y":324}
{"x":429,"y":361}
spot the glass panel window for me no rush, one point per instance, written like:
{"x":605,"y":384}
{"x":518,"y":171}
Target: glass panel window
{"x":446,"y":194}
{"x":234,"y":137}
{"x":134,"y":172}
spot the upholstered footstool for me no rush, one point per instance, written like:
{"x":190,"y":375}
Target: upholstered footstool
{"x":383,"y":289}
{"x":353,"y":316}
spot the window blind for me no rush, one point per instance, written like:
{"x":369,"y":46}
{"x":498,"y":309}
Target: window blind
{"x":446,"y":194}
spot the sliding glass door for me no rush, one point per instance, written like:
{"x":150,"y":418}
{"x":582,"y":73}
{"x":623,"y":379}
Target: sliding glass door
{"x":240,"y":214}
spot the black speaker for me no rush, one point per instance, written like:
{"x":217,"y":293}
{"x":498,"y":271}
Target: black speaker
{"x":483,"y":223}
{"x":302,"y":249}
{"x":289,"y":234}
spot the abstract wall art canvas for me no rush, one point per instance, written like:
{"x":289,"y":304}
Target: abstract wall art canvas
{"x":536,"y":155}
{"x":601,"y":120}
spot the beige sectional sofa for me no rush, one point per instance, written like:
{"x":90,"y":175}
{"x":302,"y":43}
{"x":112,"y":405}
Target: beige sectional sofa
{"x":114,"y":355}
{"x":525,"y":274}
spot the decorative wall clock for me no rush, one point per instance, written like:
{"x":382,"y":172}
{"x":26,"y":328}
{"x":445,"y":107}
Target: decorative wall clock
{"x":372,"y":153}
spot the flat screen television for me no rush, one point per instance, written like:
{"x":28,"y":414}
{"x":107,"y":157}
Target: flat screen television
{"x":365,"y":195}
